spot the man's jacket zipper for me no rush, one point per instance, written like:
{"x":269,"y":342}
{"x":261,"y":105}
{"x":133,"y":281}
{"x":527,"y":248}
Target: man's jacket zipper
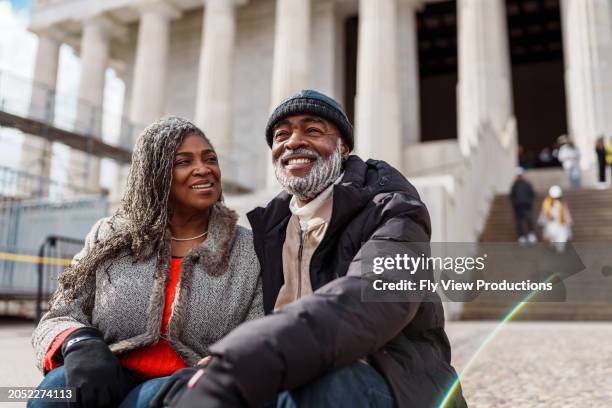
{"x":300,"y":251}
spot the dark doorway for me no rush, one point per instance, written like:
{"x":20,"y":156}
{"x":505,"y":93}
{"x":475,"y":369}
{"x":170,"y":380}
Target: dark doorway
{"x":437,"y":38}
{"x":351,"y":30}
{"x":536,"y":50}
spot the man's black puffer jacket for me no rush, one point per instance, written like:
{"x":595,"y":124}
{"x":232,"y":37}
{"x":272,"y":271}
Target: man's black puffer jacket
{"x":372,"y":205}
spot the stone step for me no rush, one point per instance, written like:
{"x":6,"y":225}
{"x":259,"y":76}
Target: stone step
{"x":539,"y":311}
{"x":592,"y":214}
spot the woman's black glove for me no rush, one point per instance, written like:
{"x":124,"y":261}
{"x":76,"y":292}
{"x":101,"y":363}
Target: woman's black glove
{"x":93,"y":370}
{"x":215,"y":388}
{"x":174,"y":386}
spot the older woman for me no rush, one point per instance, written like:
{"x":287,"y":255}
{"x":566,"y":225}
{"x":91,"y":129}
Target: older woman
{"x":155,"y":284}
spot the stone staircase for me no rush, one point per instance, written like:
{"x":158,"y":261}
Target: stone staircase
{"x":591,"y":211}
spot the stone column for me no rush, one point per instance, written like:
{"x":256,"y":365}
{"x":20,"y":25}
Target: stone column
{"x":587,"y":38}
{"x":378,"y":121}
{"x":37,"y":152}
{"x":484,"y":91}
{"x":148,"y":99}
{"x":148,"y":93}
{"x":409,"y":71}
{"x":95,"y":48}
{"x":291,"y":71}
{"x":127,"y":139}
{"x":214,"y":95}
{"x":324,"y":57}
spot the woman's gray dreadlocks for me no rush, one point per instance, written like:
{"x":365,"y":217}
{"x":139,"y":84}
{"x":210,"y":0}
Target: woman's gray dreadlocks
{"x":140,"y":225}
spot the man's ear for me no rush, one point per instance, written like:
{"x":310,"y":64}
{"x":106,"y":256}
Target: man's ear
{"x":345,"y":150}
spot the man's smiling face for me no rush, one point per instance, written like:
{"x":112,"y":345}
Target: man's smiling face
{"x":307,"y":151}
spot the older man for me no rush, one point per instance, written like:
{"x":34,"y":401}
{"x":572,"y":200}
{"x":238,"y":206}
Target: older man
{"x":322,"y":344}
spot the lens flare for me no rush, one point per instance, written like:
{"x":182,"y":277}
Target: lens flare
{"x":511,"y":314}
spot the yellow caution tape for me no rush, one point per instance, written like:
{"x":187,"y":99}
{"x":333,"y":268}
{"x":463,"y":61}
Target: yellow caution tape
{"x":8,"y":256}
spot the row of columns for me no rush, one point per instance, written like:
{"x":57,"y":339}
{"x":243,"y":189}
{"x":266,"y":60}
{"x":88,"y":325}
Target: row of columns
{"x":83,"y":170}
{"x":485,"y":83}
{"x":387,"y":84}
{"x":291,"y":70}
{"x":484,"y":90}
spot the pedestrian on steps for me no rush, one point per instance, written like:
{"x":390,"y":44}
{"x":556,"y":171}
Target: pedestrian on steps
{"x":600,"y":151}
{"x":556,"y":220}
{"x":609,"y":155}
{"x":569,"y":156}
{"x":522,"y":197}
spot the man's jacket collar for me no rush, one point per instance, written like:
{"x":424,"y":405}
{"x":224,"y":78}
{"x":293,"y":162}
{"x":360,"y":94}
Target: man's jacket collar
{"x":350,"y":197}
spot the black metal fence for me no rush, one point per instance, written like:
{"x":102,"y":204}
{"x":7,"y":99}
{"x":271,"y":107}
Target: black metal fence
{"x":53,"y":255}
{"x":38,"y":238}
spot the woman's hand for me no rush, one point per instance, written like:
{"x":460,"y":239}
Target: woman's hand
{"x":177,"y":383}
{"x":93,"y":370}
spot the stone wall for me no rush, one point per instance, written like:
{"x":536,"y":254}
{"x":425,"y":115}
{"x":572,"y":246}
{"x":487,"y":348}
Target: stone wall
{"x":252,"y":74}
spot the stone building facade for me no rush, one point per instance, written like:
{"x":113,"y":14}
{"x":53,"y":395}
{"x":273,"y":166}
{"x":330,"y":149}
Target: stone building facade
{"x":225,"y":63}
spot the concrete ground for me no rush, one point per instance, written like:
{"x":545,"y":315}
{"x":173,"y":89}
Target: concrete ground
{"x":535,"y":364}
{"x":527,"y":364}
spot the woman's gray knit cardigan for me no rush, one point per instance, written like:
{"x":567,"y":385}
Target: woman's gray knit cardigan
{"x":219,"y":288}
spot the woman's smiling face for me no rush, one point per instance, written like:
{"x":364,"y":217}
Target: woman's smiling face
{"x":196,"y":176}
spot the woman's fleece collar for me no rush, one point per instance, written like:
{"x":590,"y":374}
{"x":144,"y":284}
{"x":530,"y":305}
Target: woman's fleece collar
{"x":213,"y":254}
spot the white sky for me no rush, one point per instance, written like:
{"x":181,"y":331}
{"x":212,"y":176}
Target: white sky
{"x":17,"y":55}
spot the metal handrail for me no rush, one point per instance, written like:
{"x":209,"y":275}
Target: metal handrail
{"x":47,"y":106}
{"x":14,"y":181}
{"x":49,"y":241}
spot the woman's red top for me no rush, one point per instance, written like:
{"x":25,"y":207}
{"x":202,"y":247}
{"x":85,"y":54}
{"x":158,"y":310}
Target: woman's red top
{"x":156,"y":360}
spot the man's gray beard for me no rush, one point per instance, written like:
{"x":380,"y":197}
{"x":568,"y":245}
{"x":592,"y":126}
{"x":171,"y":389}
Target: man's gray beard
{"x":323,"y":173}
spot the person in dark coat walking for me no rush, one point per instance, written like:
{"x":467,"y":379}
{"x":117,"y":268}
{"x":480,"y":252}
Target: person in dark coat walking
{"x":522,"y":197}
{"x":321,"y":344}
{"x":600,"y":152}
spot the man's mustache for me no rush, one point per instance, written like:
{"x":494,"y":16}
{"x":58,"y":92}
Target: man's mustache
{"x":302,"y":150}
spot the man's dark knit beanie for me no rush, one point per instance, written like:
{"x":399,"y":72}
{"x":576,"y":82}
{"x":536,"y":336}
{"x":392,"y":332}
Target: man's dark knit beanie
{"x":312,"y":102}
